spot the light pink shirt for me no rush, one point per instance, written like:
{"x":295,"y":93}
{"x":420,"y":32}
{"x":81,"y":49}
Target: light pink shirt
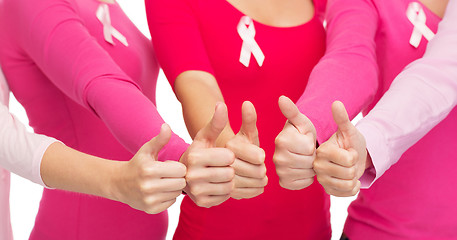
{"x":368,"y":45}
{"x":430,"y":84}
{"x":20,"y":152}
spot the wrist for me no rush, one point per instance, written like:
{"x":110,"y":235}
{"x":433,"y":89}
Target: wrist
{"x":111,"y":187}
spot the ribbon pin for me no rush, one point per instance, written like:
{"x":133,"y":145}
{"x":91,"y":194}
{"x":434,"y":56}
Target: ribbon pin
{"x":416,"y":16}
{"x":108,"y":30}
{"x":246,"y":31}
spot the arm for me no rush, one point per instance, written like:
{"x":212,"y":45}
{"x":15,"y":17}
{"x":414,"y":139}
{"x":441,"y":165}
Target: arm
{"x":429,"y":84}
{"x":348,"y":72}
{"x":143,"y":182}
{"x":176,"y":37}
{"x":418,"y":99}
{"x":86,"y":72}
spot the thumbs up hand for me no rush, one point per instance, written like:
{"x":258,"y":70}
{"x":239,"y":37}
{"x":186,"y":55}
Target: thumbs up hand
{"x":342,"y":160}
{"x":295,"y":148}
{"x":209,"y":174}
{"x":250,"y":171}
{"x":147,"y":184}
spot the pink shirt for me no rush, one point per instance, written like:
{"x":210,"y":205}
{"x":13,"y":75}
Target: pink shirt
{"x":202,"y":35}
{"x":90,"y":94}
{"x":429,"y":83}
{"x":20,"y":152}
{"x":368,"y":46}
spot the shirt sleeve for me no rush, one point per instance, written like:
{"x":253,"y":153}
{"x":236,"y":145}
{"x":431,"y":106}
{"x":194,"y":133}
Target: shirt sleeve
{"x":176,"y":37}
{"x":56,"y":38}
{"x":348,"y":71}
{"x":429,"y":84}
{"x":20,"y":151}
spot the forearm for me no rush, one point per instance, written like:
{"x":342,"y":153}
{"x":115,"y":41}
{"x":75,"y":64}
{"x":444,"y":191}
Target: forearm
{"x":131,"y":117}
{"x":348,"y":71}
{"x":199,"y":102}
{"x":65,"y":168}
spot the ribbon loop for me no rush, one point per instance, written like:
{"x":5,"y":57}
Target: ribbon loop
{"x":108,"y":30}
{"x":247,"y":32}
{"x":417,"y":17}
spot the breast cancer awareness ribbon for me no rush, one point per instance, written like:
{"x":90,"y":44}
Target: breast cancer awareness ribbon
{"x":246,"y":31}
{"x":416,"y":16}
{"x":108,"y":30}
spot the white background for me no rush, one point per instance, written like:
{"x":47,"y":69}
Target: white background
{"x":25,"y":196}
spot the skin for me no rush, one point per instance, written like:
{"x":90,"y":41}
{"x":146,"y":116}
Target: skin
{"x":143,"y":182}
{"x":342,"y":160}
{"x":198,"y":101}
{"x":291,"y":148}
{"x":295,"y":148}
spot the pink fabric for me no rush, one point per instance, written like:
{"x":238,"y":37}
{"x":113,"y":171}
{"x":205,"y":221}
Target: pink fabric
{"x":418,"y":99}
{"x":202,"y":35}
{"x":6,"y":231}
{"x":20,"y":152}
{"x":82,"y":90}
{"x":368,"y":45}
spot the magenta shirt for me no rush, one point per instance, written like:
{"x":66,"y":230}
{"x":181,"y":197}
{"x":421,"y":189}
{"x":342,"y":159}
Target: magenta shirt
{"x":90,"y":94}
{"x":368,"y":45}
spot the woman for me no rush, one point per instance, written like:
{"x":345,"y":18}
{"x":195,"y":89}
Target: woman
{"x":49,"y":163}
{"x":379,"y":38}
{"x":84,"y":73}
{"x":234,"y":51}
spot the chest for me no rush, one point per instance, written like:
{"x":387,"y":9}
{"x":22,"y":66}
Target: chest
{"x":137,"y":57}
{"x":288,"y":51}
{"x":396,"y":31}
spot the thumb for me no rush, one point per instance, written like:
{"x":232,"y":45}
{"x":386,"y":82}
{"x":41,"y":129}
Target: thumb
{"x":294,"y":116}
{"x":154,"y":146}
{"x":213,"y":129}
{"x":249,"y":121}
{"x":341,"y":118}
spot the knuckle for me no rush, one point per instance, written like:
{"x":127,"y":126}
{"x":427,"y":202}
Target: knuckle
{"x":262,"y":171}
{"x":182,"y":183}
{"x":280,"y":160}
{"x":281,"y":141}
{"x":180,"y":169}
{"x":203,"y":202}
{"x":264,"y":181}
{"x":144,"y":188}
{"x":192,"y":158}
{"x":193,"y":176}
{"x":351,"y":173}
{"x":317,"y":165}
{"x":231,"y":144}
{"x":282,"y":172}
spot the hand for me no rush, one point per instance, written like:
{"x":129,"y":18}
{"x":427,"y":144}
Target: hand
{"x":295,"y":148}
{"x":147,"y":184}
{"x":250,"y":171}
{"x":209,"y":174}
{"x":342,"y":160}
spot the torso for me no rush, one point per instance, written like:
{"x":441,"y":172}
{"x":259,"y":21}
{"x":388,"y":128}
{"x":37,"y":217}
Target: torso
{"x":412,"y":199}
{"x":64,"y":215}
{"x":290,"y":54}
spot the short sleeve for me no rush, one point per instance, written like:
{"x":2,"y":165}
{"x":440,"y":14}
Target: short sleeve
{"x":176,"y":37}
